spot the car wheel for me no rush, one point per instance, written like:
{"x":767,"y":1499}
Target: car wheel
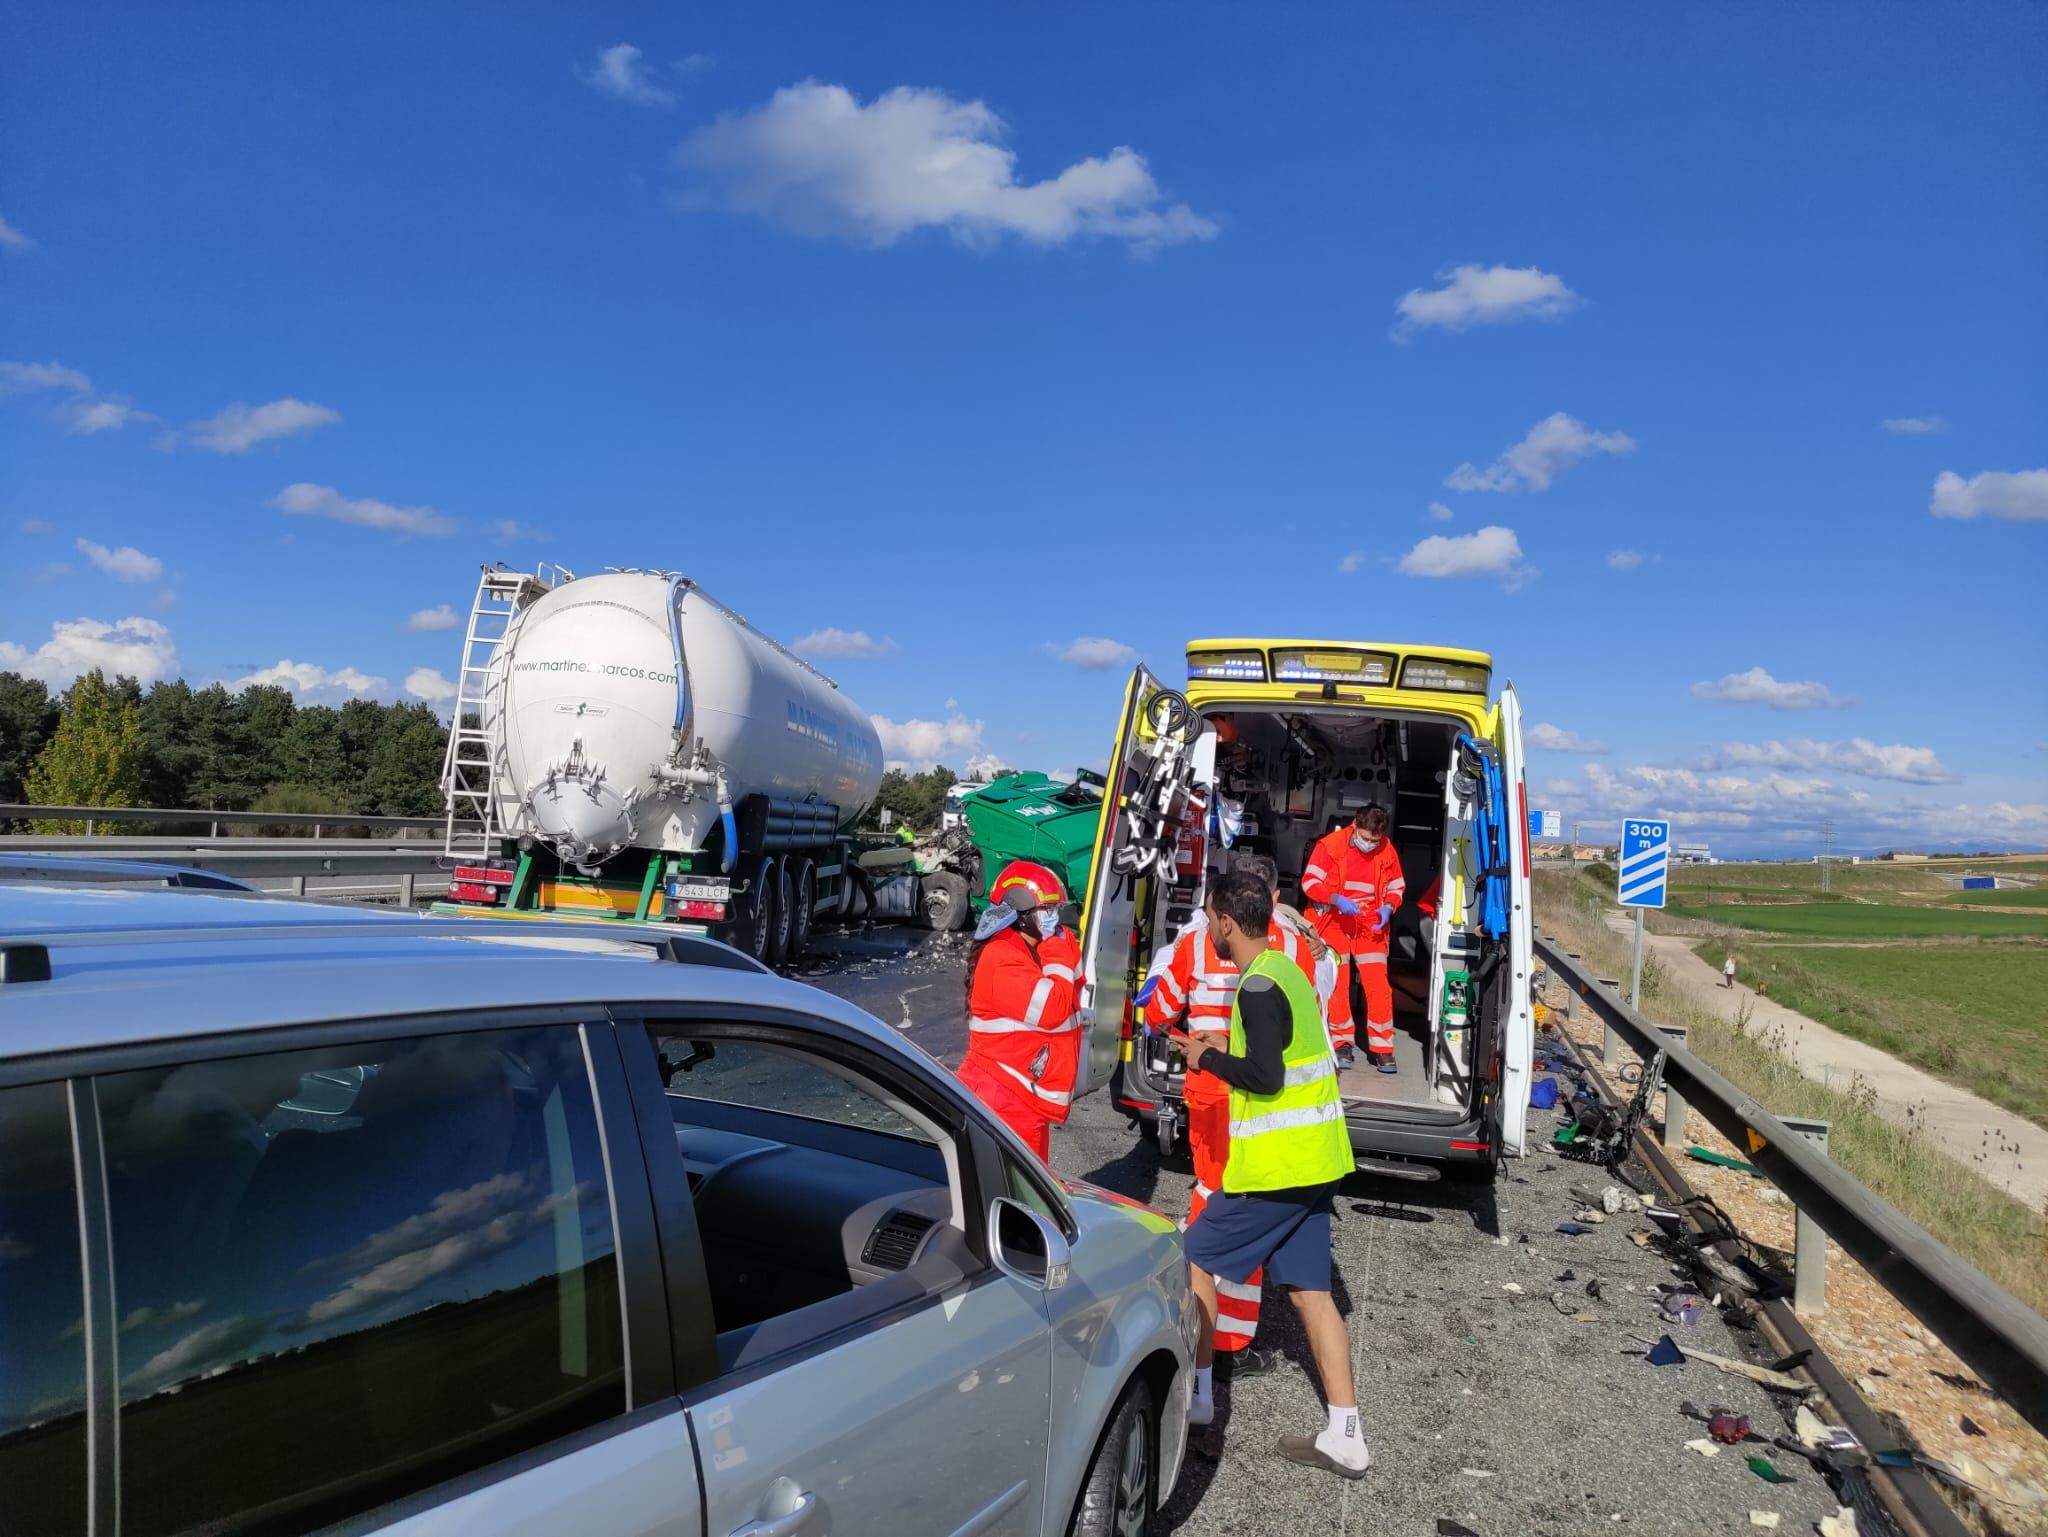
{"x":1122,"y":1486}
{"x":803,"y":907}
{"x":944,"y":898}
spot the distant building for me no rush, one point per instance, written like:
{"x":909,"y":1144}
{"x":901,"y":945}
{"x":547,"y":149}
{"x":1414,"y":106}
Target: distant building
{"x":1905,"y":856}
{"x":1839,"y":859}
{"x":1692,"y":853}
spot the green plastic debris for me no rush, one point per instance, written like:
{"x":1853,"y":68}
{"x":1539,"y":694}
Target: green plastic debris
{"x":1706,"y":1155}
{"x":1567,"y":1135}
{"x":1767,"y":1470}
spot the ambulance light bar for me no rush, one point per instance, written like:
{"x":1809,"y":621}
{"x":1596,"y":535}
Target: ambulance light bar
{"x":1444,"y":677}
{"x":1373,"y":669}
{"x":1227,"y":666}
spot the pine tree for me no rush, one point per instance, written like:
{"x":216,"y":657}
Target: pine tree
{"x":95,"y":757}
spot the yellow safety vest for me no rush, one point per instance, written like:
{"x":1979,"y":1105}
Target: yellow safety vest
{"x":1296,"y":1137}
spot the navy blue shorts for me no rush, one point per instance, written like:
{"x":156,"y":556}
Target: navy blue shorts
{"x":1286,"y":1231}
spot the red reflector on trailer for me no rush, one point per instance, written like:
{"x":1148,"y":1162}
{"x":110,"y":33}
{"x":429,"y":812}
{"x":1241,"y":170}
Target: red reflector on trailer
{"x":471,"y":891}
{"x":483,"y":873}
{"x":1467,"y":1147}
{"x":711,"y":910}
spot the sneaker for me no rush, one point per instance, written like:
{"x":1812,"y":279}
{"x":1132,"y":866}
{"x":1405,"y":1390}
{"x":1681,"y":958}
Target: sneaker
{"x":1201,"y":1411}
{"x":1303,"y":1449}
{"x":1250,"y":1361}
{"x":1346,"y":1057}
{"x":1384,"y":1061}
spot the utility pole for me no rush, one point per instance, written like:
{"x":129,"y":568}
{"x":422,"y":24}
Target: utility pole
{"x":1827,"y":857}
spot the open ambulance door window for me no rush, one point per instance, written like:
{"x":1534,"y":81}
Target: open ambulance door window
{"x":1151,"y":769}
{"x":1515,"y":1039}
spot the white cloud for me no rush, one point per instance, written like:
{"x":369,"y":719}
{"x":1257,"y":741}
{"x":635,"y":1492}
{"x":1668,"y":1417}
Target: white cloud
{"x":1552,"y":446}
{"x":155,"y":1317}
{"x":309,"y":681}
{"x":621,"y":72}
{"x":127,"y":564}
{"x":510,"y":531}
{"x":166,"y":599}
{"x":238,"y":428}
{"x":429,"y":686}
{"x":439,"y":617}
{"x":216,"y":1344}
{"x":1491,"y":551}
{"x":1758,"y":687}
{"x":816,"y":160}
{"x":1551,"y":738}
{"x":21,"y":378}
{"x":110,"y":415}
{"x":831,"y":642}
{"x":918,"y":744}
{"x":1352,"y":562}
{"x":1860,"y":756}
{"x":2021,"y":496}
{"x":1472,"y":295}
{"x":1439,"y":513}
{"x":305,"y":500}
{"x":140,"y":648}
{"x":12,"y":239}
{"x":1915,"y":424}
{"x":34,"y":526}
{"x":1624,"y":560}
{"x":1094,"y":653}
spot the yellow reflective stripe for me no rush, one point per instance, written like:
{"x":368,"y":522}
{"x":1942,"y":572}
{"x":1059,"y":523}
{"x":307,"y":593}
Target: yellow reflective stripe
{"x":1286,"y":1120}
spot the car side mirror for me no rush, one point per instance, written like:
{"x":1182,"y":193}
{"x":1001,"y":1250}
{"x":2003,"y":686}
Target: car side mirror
{"x":1026,"y":1246}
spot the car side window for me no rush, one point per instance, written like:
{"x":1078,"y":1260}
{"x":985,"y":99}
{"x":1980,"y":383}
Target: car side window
{"x":762,"y":1077}
{"x":346,"y":1273}
{"x":42,"y":1325}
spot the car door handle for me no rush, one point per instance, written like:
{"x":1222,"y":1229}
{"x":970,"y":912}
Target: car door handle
{"x":787,"y":1524}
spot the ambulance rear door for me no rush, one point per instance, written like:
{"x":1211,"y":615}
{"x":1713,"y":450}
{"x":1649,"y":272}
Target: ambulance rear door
{"x":1516,"y":1039}
{"x":1151,"y":769}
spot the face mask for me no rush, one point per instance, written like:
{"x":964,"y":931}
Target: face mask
{"x":1048,"y":922}
{"x":1366,"y":843}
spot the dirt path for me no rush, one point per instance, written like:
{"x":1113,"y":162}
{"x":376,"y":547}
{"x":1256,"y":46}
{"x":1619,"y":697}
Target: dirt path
{"x":2007,"y":1150}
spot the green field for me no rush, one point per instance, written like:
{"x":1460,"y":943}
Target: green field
{"x":1868,"y":920}
{"x":1968,"y":1013}
{"x":2016,"y":896}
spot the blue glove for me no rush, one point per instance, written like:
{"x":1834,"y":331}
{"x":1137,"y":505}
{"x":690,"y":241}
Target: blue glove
{"x":1345,"y":905}
{"x":1380,"y":918}
{"x":1145,"y":993}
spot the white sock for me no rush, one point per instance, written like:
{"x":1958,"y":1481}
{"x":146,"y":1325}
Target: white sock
{"x":1344,"y":1424}
{"x":1343,"y":1439}
{"x":1204,"y":1380}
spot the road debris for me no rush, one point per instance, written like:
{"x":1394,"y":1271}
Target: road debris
{"x":1767,"y":1519}
{"x":1728,"y":1427}
{"x":1841,"y":1524}
{"x":1510,"y":1286}
{"x":1724,"y":1160}
{"x":1706,"y":1446}
{"x":1446,"y":1527}
{"x":1476,"y":1472}
{"x":1766,"y":1376}
{"x":1767,"y":1470}
{"x":1573,"y":1229}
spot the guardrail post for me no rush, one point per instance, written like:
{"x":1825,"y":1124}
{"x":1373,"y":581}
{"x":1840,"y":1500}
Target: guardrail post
{"x":318,"y":828}
{"x":298,"y":885}
{"x":405,"y":883}
{"x":1674,"y":1102}
{"x":1809,"y":1243}
{"x":1610,"y":1043}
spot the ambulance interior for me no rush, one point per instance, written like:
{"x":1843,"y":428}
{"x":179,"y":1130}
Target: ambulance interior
{"x":1281,"y":779}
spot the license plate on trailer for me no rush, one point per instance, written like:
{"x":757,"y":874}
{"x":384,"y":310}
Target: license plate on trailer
{"x":699,"y":891}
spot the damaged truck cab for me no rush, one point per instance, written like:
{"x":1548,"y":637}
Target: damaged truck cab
{"x":1274,"y":744}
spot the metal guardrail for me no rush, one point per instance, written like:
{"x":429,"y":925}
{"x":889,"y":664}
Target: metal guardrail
{"x":178,"y":816}
{"x":2001,"y":1339}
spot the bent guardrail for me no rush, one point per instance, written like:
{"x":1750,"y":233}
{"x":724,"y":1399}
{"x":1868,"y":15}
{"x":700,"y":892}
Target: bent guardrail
{"x":1999,"y":1336}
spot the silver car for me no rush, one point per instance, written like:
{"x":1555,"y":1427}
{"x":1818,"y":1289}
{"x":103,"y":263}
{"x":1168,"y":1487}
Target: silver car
{"x":312,"y":1216}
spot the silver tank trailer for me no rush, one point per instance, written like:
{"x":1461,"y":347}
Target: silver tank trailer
{"x":633,"y":710}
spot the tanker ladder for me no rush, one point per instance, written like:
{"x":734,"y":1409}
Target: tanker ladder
{"x":469,"y":770}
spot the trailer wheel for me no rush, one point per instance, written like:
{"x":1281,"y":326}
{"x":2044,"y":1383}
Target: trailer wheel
{"x":944,"y":899}
{"x":760,"y":916}
{"x":803,"y":906}
{"x":780,"y":925}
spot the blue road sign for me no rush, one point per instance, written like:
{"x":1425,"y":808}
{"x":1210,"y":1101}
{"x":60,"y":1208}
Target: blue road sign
{"x":1645,"y":862}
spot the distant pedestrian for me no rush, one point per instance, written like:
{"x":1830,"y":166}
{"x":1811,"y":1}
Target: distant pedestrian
{"x":1728,"y":971}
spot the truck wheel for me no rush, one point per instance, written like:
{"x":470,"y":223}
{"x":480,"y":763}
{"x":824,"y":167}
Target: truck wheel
{"x":803,"y":904}
{"x":1122,"y":1487}
{"x":944,"y":899}
{"x":779,"y":928}
{"x":760,"y":917}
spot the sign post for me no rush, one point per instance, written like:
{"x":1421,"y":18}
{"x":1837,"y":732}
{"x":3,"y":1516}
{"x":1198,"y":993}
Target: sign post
{"x":1641,"y":882}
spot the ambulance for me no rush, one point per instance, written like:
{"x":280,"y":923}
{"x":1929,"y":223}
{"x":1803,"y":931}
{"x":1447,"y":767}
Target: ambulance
{"x":1273,"y":744}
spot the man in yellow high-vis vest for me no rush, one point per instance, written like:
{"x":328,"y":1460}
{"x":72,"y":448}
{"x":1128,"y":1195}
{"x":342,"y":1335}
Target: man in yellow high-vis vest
{"x":1288,"y":1150}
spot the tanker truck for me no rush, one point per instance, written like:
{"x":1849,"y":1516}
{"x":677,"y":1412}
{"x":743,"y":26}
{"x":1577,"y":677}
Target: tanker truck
{"x":625,"y":746}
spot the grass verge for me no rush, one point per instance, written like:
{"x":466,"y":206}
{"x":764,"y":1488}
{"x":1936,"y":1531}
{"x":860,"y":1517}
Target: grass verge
{"x":1868,"y":920}
{"x":1999,"y":1235}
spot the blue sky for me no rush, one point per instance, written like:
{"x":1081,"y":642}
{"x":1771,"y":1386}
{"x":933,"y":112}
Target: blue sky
{"x":982,"y":339}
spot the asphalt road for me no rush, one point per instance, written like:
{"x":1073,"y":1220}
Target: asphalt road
{"x":1490,"y":1407}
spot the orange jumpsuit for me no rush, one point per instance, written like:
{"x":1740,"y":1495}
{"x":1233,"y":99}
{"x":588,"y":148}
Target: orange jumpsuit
{"x":1199,"y":980}
{"x":1338,"y":867}
{"x":1024,"y":1039}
